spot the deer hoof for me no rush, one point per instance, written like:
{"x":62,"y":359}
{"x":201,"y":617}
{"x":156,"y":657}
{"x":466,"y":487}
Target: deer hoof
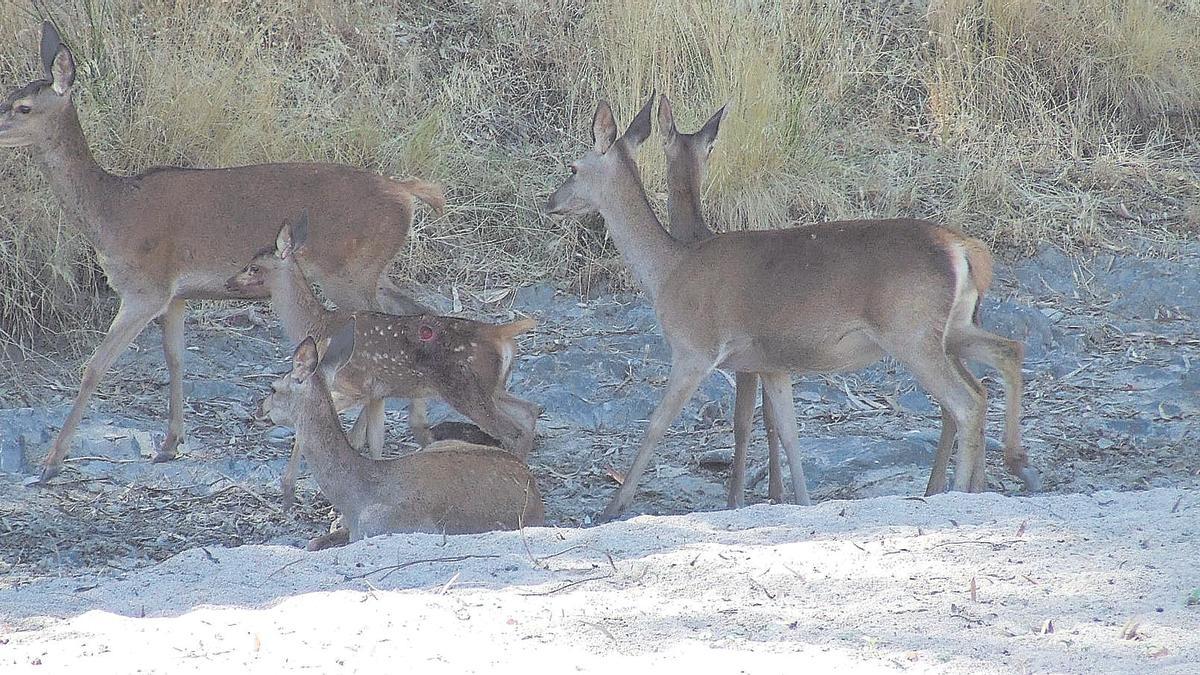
{"x":168,"y":451}
{"x":49,"y":471}
{"x":1030,"y":477}
{"x":611,"y":512}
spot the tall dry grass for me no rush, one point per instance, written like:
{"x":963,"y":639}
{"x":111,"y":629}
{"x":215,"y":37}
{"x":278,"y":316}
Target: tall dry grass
{"x":1024,"y":122}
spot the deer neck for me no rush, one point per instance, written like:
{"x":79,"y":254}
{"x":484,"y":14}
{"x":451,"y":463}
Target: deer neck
{"x":648,"y":250}
{"x":299,"y":309}
{"x":684,"y":211}
{"x":80,"y":184}
{"x":335,"y":465}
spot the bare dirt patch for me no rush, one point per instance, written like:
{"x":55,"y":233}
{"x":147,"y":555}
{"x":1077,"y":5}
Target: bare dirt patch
{"x":1112,"y":403}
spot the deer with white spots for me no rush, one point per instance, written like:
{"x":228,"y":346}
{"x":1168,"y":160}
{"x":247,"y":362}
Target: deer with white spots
{"x":464,"y":362}
{"x":170,"y":235}
{"x":451,"y":487}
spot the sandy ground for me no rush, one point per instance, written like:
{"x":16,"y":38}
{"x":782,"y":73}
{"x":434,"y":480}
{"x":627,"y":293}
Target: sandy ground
{"x":951,"y":584}
{"x":191,"y":565}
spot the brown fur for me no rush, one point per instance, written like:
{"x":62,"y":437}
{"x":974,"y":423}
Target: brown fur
{"x":687,"y":161}
{"x":451,"y":487}
{"x":467,"y":363}
{"x":174,"y":234}
{"x":824,"y":298}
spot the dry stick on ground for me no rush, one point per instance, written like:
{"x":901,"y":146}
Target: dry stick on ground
{"x":467,"y":363}
{"x":824,"y":298}
{"x":169,"y":235}
{"x":388,"y":569}
{"x":451,"y":487}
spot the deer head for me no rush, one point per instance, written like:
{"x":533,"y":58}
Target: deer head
{"x":265,"y":264}
{"x":293,"y":395}
{"x":687,"y":151}
{"x":601,"y":174}
{"x":32,"y":114}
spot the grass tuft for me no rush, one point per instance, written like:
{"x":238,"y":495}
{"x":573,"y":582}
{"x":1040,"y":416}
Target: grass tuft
{"x":1021,"y":121}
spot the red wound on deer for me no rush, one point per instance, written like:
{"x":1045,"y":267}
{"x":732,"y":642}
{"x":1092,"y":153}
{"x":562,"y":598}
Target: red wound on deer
{"x":425,"y":332}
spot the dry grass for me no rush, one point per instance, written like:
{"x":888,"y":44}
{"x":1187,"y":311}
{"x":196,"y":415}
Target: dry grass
{"x":1022,"y":121}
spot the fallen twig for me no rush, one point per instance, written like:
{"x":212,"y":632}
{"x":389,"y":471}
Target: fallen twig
{"x":388,"y":569}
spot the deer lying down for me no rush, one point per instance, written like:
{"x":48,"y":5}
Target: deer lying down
{"x":464,"y":362}
{"x":829,"y":297}
{"x":451,"y":487}
{"x":170,"y":234}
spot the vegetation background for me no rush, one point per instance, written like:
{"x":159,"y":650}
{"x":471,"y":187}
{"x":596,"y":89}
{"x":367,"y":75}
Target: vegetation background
{"x":1024,"y":122}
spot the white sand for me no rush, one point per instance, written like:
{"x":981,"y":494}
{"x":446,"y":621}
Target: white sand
{"x":881,"y":584}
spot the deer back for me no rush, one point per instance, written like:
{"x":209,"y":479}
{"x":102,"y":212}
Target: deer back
{"x":458,"y":488}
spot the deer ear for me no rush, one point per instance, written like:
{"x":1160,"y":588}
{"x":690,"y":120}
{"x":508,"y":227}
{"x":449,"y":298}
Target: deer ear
{"x":708,"y":132}
{"x":604,"y":128}
{"x":340,"y":349}
{"x":639,"y":128}
{"x":304,"y":360}
{"x":62,"y":71}
{"x":300,"y":231}
{"x":51,"y":41}
{"x":666,"y":117}
{"x":283,"y":242}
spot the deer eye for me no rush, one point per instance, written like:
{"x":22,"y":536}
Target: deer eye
{"x":24,"y":109}
{"x":574,"y":169}
{"x":253,"y":269}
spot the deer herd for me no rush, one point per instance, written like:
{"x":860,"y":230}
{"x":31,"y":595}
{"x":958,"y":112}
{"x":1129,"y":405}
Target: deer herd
{"x":819,"y":298}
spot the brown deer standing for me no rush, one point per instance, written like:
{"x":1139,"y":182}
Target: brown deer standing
{"x":687,"y":159}
{"x":824,"y":298}
{"x":465,"y":362}
{"x":451,"y":486}
{"x":170,"y":234}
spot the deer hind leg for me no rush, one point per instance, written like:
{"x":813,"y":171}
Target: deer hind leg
{"x":686,"y":374}
{"x":774,"y":467}
{"x":132,"y":317}
{"x":976,"y":344}
{"x":941,"y":461}
{"x":964,"y":398}
{"x":173,"y":348}
{"x":745,"y":389}
{"x":783,"y":416}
